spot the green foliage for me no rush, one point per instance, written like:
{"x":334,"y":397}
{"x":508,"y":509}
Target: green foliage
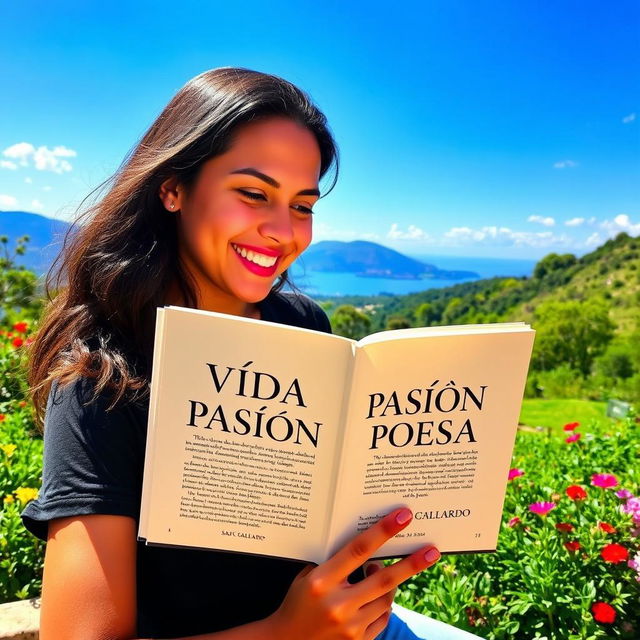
{"x":21,"y":554}
{"x":561,"y":382}
{"x":347,"y":321}
{"x":398,"y":322}
{"x":533,"y":586}
{"x":571,"y":333}
{"x":425,"y":314}
{"x":616,"y":361}
{"x":19,"y":297}
{"x":553,"y":263}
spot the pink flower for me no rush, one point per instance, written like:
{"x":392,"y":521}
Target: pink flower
{"x":513,"y":522}
{"x":542,"y":508}
{"x":571,"y":426}
{"x":573,"y":438}
{"x":604,"y":480}
{"x":623,"y":494}
{"x":631,"y":506}
{"x":514,"y":473}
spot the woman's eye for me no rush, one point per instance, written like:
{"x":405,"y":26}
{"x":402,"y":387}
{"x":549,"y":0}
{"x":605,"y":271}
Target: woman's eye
{"x":260,"y":196}
{"x":252,"y":195}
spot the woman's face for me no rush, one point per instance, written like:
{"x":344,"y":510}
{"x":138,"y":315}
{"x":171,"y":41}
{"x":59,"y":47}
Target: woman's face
{"x":246,"y":218}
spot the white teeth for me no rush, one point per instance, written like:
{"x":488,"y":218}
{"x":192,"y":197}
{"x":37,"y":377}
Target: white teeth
{"x":263,"y":261}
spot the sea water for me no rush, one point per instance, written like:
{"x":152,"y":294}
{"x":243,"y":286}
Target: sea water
{"x":342,"y":284}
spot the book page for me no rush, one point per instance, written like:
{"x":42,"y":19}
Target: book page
{"x":147,"y":481}
{"x":431,"y":425}
{"x":244,"y":435}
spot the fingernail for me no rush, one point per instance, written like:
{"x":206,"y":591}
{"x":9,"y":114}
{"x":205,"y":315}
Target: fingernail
{"x":404,"y":516}
{"x":432,"y":555}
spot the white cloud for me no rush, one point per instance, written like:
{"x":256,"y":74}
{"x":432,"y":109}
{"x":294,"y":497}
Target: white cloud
{"x":574,"y":222}
{"x":7,"y":164}
{"x":28,"y":180}
{"x":42,"y":158}
{"x":20,"y":151}
{"x":630,"y":118}
{"x":620,"y":223}
{"x":503,"y":236}
{"x":547,"y":222}
{"x":7,"y":201}
{"x":412,"y":233}
{"x":46,"y":188}
{"x":37,"y":205}
{"x":563,"y":164}
{"x":594,"y":240}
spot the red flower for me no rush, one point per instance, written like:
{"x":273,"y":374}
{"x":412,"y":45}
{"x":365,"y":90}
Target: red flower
{"x":17,"y":342}
{"x":565,"y":527}
{"x":614,"y":553}
{"x":22,"y":403}
{"x":572,"y":546}
{"x":571,"y":426}
{"x":606,"y":527}
{"x":576,"y":492}
{"x":20,"y":327}
{"x":573,"y":438}
{"x":603,"y":612}
{"x":2,"y":417}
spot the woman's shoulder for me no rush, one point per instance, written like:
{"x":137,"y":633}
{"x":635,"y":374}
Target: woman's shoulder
{"x":296,"y":309}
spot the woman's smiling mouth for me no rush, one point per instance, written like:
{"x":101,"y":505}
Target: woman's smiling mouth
{"x":257,"y":262}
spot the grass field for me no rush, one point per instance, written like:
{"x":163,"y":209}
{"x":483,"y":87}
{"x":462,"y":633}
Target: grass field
{"x":556,"y":413}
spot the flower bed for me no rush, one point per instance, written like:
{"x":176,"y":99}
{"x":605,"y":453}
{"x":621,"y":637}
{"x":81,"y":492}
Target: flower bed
{"x":568,"y":559}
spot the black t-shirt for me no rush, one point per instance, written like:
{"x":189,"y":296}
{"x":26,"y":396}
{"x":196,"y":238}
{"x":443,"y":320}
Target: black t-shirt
{"x":93,"y":464}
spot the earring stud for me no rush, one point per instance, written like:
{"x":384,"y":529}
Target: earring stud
{"x":171,"y":206}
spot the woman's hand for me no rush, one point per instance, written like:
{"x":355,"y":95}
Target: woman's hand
{"x":322,"y":605}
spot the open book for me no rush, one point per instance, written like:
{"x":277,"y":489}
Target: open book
{"x":270,"y":439}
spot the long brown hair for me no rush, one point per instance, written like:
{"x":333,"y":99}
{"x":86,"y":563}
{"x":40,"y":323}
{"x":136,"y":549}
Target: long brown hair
{"x":115,"y":268}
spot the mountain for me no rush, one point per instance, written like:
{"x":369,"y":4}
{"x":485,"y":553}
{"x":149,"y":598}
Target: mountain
{"x":368,"y":259}
{"x":45,"y":237}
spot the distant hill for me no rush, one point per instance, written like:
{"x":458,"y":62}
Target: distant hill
{"x":46,"y":236}
{"x":368,"y":259}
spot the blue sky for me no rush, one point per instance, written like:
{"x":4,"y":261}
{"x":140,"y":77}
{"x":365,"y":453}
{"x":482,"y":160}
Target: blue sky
{"x":465,"y":127}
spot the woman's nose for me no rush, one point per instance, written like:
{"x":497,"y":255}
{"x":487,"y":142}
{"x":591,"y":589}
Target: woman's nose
{"x":278,"y":225}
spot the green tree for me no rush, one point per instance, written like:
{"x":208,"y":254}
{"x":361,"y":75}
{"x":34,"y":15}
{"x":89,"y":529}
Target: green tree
{"x":347,"y":321}
{"x":553,"y":262}
{"x":616,"y":361}
{"x":425,"y":314}
{"x":398,"y":322}
{"x":571,"y":333}
{"x":19,"y":300}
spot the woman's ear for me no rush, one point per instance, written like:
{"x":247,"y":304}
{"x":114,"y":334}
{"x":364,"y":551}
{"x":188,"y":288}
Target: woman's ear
{"x":171,"y":194}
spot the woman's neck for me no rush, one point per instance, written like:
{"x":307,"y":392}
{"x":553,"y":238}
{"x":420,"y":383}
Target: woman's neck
{"x":215,"y":303}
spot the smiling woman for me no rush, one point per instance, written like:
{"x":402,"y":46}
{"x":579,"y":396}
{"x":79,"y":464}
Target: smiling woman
{"x":208,"y":211}
{"x":239,"y":228}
